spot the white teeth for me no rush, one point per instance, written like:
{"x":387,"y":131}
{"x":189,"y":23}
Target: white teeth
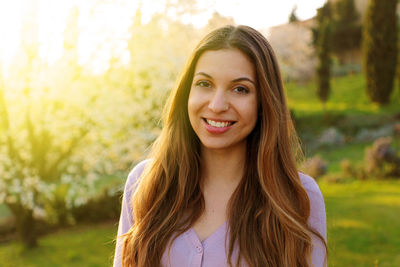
{"x":218,"y":123}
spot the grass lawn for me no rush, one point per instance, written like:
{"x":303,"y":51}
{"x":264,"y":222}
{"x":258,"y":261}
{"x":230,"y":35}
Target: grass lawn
{"x":334,"y":155}
{"x":347,"y":96}
{"x":363,"y":230}
{"x":355,"y":152}
{"x":363,"y":223}
{"x":83,"y":246}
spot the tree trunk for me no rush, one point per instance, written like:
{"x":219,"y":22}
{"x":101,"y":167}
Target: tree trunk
{"x":25,"y":225}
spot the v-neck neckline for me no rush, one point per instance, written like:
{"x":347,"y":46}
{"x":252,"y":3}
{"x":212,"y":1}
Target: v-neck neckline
{"x":218,"y":232}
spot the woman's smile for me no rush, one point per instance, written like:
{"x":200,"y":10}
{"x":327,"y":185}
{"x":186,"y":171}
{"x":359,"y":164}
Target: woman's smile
{"x":218,"y":127}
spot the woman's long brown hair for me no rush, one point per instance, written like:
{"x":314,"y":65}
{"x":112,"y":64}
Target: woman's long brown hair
{"x":268,"y":211}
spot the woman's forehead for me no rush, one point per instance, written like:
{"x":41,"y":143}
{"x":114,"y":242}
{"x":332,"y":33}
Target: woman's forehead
{"x":225,"y":62}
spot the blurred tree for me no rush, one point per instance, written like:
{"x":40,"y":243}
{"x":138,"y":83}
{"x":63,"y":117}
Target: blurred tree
{"x":380,"y":49}
{"x":157,"y":54}
{"x":216,"y":21}
{"x":398,"y":57}
{"x":296,"y":55}
{"x":180,"y":8}
{"x":44,"y":125}
{"x":346,"y":28}
{"x":70,"y":54}
{"x":322,"y":42}
{"x":293,"y":16}
{"x":324,"y":62}
{"x":25,"y":223}
{"x":323,"y":13}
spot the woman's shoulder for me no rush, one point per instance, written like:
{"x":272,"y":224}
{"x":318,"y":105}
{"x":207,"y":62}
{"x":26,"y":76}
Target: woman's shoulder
{"x":317,"y":217}
{"x":134,"y":175}
{"x":310,"y":185}
{"x":317,"y":203}
{"x":137,"y":170}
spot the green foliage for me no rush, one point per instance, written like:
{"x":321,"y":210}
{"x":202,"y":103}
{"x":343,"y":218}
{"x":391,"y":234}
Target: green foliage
{"x":324,"y":61}
{"x":346,"y":26}
{"x":398,"y":57}
{"x":363,"y":161}
{"x":380,"y":49}
{"x":381,"y":159}
{"x":216,"y":21}
{"x":105,"y":206}
{"x":315,"y":167}
{"x":335,"y":155}
{"x":322,"y":37}
{"x":293,"y":16}
{"x":323,"y":13}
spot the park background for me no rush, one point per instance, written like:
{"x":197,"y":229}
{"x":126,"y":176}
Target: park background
{"x":82,"y":85}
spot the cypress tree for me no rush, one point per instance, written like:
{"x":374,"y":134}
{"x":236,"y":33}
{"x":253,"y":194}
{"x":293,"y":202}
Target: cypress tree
{"x":346,"y":27}
{"x":322,"y":43}
{"x":293,"y":16}
{"x":324,"y":61}
{"x":398,"y":57}
{"x":323,"y":13}
{"x":380,"y":49}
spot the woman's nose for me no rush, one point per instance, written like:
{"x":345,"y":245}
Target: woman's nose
{"x":218,"y":102}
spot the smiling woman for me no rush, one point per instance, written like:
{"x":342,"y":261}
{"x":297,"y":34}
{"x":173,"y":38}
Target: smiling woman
{"x":221,"y":187}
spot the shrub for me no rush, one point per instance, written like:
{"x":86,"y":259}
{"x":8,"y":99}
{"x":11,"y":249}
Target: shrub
{"x":350,"y":170}
{"x":396,"y":129}
{"x":335,"y":178}
{"x":381,"y":159}
{"x":347,"y":168}
{"x":106,"y":206}
{"x":315,"y":167}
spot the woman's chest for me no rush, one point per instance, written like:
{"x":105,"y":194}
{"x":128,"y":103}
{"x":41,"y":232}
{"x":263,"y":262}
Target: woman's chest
{"x":188,"y":250}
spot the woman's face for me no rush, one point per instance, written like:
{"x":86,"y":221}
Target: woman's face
{"x":222,"y":103}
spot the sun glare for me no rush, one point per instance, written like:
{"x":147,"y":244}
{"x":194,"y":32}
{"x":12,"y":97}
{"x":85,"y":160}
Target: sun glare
{"x":10,"y":26}
{"x":51,"y":22}
{"x":104,"y":25}
{"x":103,"y":30}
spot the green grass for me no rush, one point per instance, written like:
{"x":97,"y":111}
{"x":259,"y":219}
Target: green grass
{"x":363,"y":223}
{"x":83,"y":246}
{"x":347,"y":96}
{"x":355,"y":152}
{"x":334,"y":155}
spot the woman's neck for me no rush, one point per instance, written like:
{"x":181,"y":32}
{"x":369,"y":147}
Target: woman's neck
{"x":223,"y":167}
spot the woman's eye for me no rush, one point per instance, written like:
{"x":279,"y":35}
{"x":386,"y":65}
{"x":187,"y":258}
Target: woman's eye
{"x":241,"y":89}
{"x":203,"y":84}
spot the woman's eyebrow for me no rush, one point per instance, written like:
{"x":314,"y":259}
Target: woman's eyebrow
{"x":244,"y":79}
{"x":204,"y":74}
{"x":235,"y":80}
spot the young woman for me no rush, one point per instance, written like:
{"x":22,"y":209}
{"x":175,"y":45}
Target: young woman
{"x":221,"y":187}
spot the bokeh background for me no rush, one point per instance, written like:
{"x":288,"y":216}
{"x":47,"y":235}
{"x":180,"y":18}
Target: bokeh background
{"x":83,"y":83}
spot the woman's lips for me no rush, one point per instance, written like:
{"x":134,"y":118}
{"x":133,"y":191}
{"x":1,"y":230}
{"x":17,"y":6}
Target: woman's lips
{"x":217,"y":126}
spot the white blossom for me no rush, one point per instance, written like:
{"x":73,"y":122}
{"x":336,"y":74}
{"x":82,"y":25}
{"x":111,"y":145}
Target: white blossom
{"x":39,"y":213}
{"x":11,"y":199}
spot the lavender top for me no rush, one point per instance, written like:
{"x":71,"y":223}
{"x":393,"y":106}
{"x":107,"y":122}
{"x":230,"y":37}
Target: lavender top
{"x":188,"y":251}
